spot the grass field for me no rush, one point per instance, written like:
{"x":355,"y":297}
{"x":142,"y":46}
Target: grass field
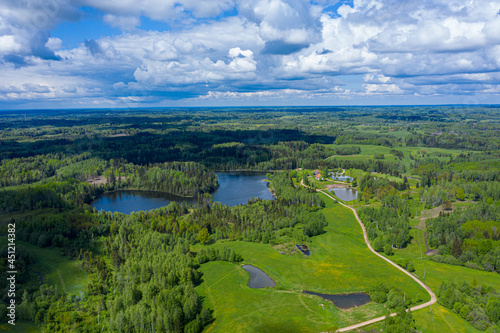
{"x":62,"y":271}
{"x":441,"y":319}
{"x":56,"y":269}
{"x":434,"y":319}
{"x":369,"y":151}
{"x":340,"y":263}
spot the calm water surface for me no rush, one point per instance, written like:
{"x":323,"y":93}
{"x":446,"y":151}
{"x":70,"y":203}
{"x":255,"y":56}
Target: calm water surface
{"x":342,"y":178}
{"x":234,"y":188}
{"x":258,"y":279}
{"x":239,"y":187}
{"x":346,"y":301}
{"x":346,"y":194}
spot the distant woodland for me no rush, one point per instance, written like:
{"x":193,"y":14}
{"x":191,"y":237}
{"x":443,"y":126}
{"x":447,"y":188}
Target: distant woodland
{"x":141,"y":270}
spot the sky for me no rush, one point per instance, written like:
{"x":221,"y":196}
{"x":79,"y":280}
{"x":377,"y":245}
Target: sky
{"x":165,"y":53}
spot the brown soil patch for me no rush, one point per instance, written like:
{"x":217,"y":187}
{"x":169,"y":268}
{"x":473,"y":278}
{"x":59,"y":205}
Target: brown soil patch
{"x":100,"y":180}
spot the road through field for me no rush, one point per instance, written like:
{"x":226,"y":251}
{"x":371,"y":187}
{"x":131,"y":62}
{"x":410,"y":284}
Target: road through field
{"x":372,"y":321}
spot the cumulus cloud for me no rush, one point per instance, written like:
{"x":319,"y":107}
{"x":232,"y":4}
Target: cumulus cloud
{"x":125,"y":23}
{"x":262,"y":49}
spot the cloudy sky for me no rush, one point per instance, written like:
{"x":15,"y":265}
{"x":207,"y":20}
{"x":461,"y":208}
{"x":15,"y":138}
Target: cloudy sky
{"x":140,"y":53}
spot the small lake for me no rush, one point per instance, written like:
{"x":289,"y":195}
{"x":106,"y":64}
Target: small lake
{"x":346,"y":194}
{"x":238,"y":187}
{"x":133,"y":201}
{"x":234,"y":188}
{"x":343,"y":178}
{"x":345,"y":301}
{"x":258,"y":279}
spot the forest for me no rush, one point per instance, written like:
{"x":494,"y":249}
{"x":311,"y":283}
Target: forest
{"x":142,"y":269}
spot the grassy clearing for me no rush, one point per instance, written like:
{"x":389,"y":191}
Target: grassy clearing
{"x":237,"y":308}
{"x":434,"y":319}
{"x":441,"y":319}
{"x":56,"y":269}
{"x":340,"y":263}
{"x":369,"y":151}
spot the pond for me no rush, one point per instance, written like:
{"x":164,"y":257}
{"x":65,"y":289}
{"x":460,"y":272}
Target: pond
{"x":345,"y":301}
{"x":343,"y":178}
{"x":234,"y":188}
{"x":346,"y":194}
{"x":258,"y":279}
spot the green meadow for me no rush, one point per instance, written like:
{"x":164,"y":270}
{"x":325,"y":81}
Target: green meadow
{"x":63,"y":272}
{"x":440,"y":319}
{"x":340,"y":263}
{"x":55,"y":268}
{"x":368,"y":152}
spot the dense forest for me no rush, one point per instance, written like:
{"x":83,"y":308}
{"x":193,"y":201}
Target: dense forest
{"x":141,"y":268}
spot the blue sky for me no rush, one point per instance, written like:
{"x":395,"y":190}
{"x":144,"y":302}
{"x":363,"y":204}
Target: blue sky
{"x":140,"y":53}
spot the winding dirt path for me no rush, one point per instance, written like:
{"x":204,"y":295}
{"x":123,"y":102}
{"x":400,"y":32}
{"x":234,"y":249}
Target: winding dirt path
{"x":375,"y":320}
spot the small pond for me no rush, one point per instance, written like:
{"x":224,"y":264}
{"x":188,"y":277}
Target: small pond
{"x":342,"y":178}
{"x":346,"y":194}
{"x":258,"y":279}
{"x":304,"y":249}
{"x":234,"y":188}
{"x":345,"y":301}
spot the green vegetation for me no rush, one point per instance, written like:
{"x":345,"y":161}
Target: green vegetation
{"x":433,"y":170}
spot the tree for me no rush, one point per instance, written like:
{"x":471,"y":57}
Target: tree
{"x":460,"y":194}
{"x":410,"y":267}
{"x":456,"y":248}
{"x":388,"y":249}
{"x":446,"y":205}
{"x":203,"y":236}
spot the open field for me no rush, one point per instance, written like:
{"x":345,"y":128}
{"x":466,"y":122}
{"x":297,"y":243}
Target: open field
{"x":62,"y":271}
{"x":237,"y":308}
{"x":340,"y":263}
{"x":369,"y":151}
{"x":435,"y":319}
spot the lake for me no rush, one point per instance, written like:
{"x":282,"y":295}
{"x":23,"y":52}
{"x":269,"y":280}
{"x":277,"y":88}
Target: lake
{"x":234,"y":188}
{"x":345,"y":301}
{"x":258,"y":279}
{"x":346,"y":194}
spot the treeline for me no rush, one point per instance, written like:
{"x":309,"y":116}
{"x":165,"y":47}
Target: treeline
{"x":479,"y":305}
{"x":371,"y":186}
{"x":394,"y":299}
{"x":28,"y":170}
{"x":179,"y":178}
{"x":452,"y":141}
{"x":211,"y":254}
{"x":257,"y":221}
{"x":468,"y":237}
{"x":386,"y":227}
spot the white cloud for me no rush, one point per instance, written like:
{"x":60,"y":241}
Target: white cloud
{"x":125,"y":23}
{"x":272,"y":47}
{"x":8,"y":44}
